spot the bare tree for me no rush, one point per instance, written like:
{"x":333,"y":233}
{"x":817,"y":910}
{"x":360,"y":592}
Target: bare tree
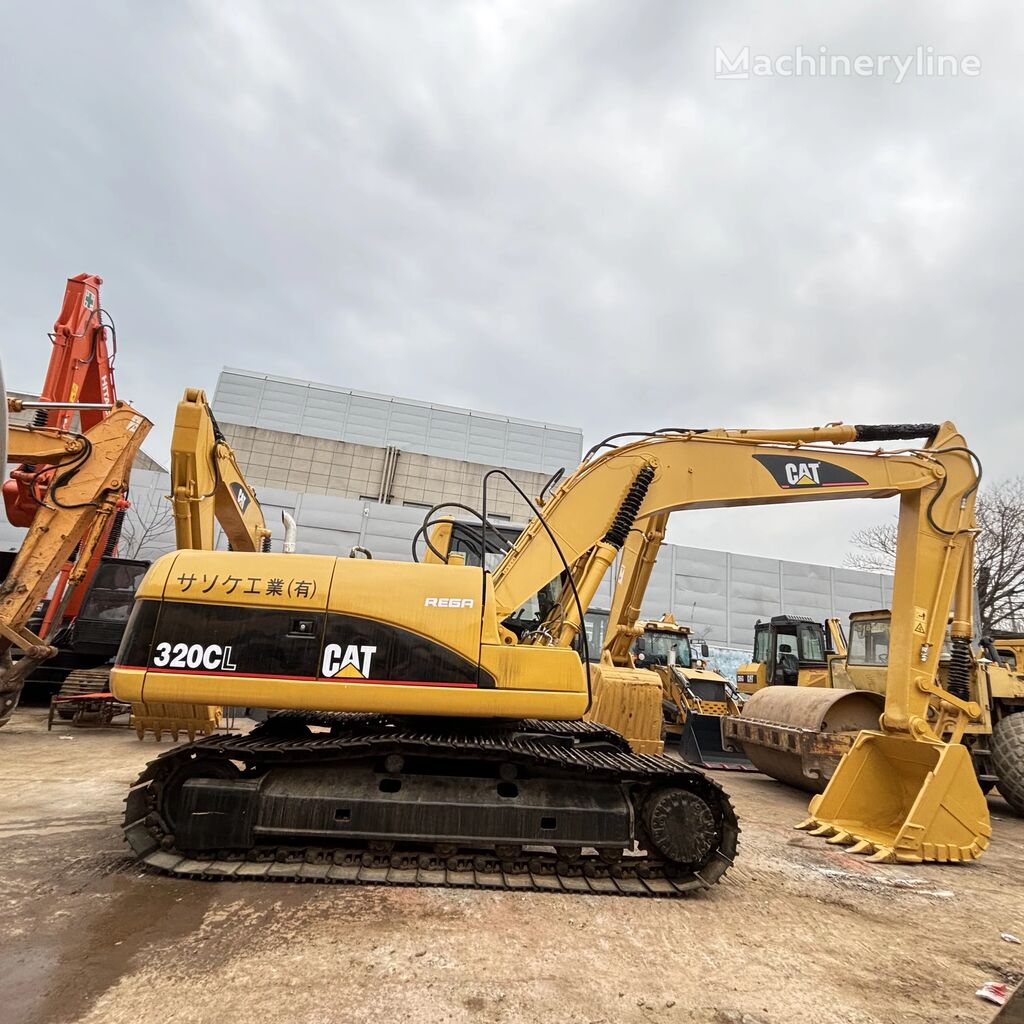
{"x":149,"y":528}
{"x":998,"y":553}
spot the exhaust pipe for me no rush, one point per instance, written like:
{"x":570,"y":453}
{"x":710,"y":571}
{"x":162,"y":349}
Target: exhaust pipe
{"x":290,"y":530}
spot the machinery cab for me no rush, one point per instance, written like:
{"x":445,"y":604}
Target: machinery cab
{"x":91,"y":638}
{"x":100,"y":623}
{"x":1000,"y":660}
{"x":595,"y":625}
{"x":1009,"y":647}
{"x":789,"y":650}
{"x":665,"y":642}
{"x":463,"y":543}
{"x":868,"y":655}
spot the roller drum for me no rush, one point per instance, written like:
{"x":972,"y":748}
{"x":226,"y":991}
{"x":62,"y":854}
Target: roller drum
{"x":798,"y":735}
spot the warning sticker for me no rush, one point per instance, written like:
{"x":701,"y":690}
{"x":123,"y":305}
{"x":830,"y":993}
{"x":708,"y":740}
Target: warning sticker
{"x":920,"y":621}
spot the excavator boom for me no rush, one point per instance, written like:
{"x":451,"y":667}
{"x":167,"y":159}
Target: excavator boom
{"x":207,"y":485}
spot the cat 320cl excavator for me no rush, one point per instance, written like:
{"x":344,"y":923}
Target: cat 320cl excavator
{"x":437,"y":731}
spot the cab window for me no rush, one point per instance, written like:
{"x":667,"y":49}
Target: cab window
{"x":785,"y":643}
{"x":869,"y":642}
{"x":657,"y":648}
{"x":811,"y":646}
{"x":762,"y":645}
{"x":1009,"y":658}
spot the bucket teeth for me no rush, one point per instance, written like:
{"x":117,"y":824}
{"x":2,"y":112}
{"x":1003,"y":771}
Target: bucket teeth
{"x":862,"y":846}
{"x":841,"y":839}
{"x":883,"y":855}
{"x":807,"y":824}
{"x":824,"y":830}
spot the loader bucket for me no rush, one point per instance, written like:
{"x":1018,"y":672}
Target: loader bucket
{"x":895,"y":799}
{"x":701,"y":744}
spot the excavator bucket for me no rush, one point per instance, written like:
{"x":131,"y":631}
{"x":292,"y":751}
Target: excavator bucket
{"x":897,"y":799}
{"x":628,"y":700}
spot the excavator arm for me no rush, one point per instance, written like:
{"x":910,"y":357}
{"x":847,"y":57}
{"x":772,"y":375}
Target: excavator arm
{"x":88,"y":476}
{"x":207,"y":485}
{"x":719,"y":469}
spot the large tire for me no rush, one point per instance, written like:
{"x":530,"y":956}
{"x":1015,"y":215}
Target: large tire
{"x":1008,"y":759}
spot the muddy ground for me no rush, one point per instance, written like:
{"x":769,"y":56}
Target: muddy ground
{"x":799,"y":931}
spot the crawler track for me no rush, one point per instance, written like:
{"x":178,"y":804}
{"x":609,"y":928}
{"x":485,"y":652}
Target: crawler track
{"x":689,"y":813}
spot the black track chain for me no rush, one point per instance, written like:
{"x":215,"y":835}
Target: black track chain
{"x":582,"y":748}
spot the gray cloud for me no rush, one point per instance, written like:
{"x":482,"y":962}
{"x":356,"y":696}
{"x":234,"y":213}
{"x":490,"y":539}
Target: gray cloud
{"x":553,"y":211}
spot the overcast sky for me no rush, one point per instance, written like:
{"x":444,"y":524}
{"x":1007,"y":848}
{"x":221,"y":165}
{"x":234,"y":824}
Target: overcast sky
{"x":548,"y":210}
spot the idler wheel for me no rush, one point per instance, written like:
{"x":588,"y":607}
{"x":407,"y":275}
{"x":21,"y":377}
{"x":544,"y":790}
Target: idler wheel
{"x":680,"y":825}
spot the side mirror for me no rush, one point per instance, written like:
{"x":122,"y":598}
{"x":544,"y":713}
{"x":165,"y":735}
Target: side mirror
{"x":704,"y":651}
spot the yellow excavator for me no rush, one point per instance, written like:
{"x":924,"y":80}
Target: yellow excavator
{"x":89,"y":480}
{"x":437,"y":732}
{"x":694,"y":698}
{"x":207,"y":488}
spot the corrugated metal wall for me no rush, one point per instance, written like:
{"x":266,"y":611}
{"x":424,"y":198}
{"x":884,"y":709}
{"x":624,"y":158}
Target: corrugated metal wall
{"x":320,"y":410}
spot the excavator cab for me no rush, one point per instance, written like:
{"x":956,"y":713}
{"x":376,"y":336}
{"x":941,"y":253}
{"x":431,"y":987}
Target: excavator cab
{"x":789,"y":650}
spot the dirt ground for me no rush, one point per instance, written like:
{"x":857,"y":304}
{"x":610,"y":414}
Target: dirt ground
{"x":798,"y":931}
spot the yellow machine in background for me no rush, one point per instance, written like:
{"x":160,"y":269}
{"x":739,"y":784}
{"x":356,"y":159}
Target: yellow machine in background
{"x":207,"y":488}
{"x":694,"y":697}
{"x":791,"y":650}
{"x":799,"y":737}
{"x":689,"y":700}
{"x":469,"y":695}
{"x":92,"y":471}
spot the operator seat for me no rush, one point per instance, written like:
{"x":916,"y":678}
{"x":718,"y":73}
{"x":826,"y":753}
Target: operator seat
{"x":787,"y":670}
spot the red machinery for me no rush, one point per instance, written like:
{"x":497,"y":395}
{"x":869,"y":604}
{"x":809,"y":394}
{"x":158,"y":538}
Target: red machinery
{"x":81,"y":371}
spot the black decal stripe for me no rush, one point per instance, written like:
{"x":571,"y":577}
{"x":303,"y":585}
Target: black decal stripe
{"x":829,"y":474}
{"x":289,"y":643}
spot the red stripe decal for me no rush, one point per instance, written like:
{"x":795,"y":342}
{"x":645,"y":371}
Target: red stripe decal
{"x":298,"y":679}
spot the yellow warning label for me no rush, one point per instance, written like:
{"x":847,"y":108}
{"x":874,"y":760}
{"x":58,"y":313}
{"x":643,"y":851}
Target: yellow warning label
{"x":921,"y":621}
{"x":73,"y":397}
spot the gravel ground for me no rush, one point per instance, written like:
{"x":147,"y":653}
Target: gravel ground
{"x":798,"y":931}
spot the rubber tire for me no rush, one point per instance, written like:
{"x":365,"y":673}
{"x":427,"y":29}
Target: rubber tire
{"x":1008,"y":759}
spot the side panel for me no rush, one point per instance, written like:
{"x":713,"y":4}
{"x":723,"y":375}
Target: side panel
{"x":355,"y":636}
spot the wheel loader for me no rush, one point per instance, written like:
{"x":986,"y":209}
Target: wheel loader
{"x":442,"y":730}
{"x":695,"y":698}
